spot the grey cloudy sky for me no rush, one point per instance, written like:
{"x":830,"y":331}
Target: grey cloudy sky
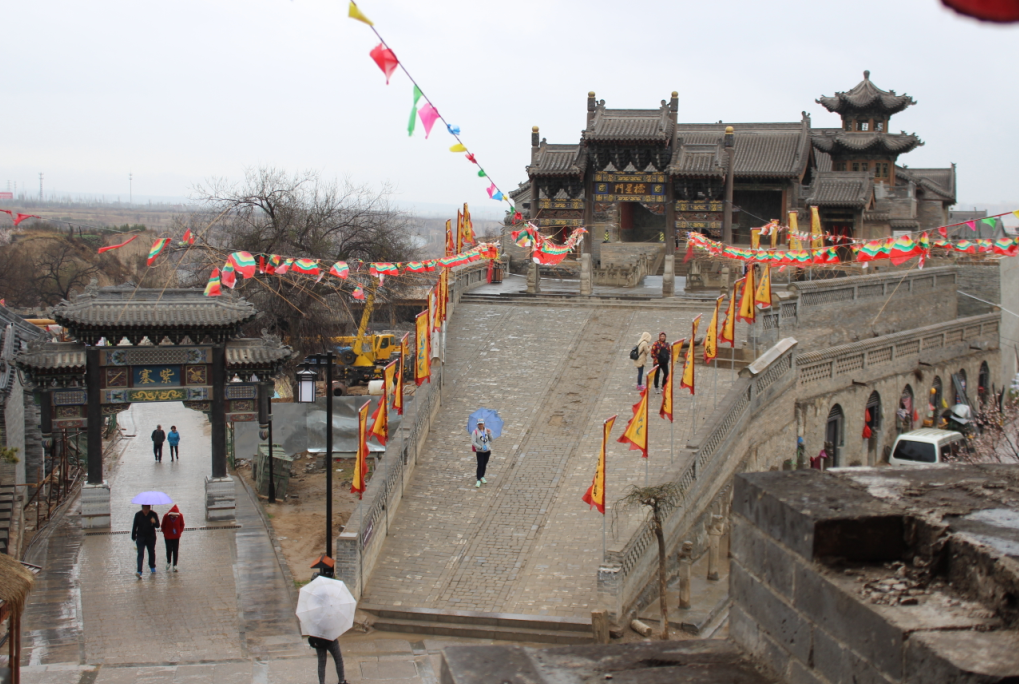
{"x":176,"y":92}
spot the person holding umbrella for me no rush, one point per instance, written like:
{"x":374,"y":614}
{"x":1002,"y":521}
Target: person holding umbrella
{"x":143,"y":534}
{"x":325,"y":609}
{"x":482,"y":436}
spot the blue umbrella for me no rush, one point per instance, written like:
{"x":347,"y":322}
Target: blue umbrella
{"x":152,"y":499}
{"x":491,"y":419}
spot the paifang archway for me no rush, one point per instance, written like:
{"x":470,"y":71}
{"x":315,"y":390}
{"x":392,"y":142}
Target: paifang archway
{"x":147,"y":345}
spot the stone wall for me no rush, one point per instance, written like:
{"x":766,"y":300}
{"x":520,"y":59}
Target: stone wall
{"x":981,"y":279}
{"x":823,"y":313}
{"x":14,"y":433}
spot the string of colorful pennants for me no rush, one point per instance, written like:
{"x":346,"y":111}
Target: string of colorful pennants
{"x":545,"y":251}
{"x":422,"y":108}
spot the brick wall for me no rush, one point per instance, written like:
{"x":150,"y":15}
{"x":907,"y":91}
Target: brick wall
{"x":981,"y":279}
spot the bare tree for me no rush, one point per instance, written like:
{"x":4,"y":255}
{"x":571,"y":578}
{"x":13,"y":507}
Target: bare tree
{"x":274,"y":212}
{"x":997,"y":438}
{"x":658,"y":499}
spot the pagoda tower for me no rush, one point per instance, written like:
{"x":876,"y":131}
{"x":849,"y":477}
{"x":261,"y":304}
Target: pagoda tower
{"x":864,"y":144}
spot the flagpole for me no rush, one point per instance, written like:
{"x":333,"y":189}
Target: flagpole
{"x":672,"y":440}
{"x":714,"y":402}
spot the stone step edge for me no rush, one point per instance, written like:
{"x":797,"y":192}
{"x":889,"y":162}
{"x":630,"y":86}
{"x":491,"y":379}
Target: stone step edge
{"x":479,"y":631}
{"x":466,"y":617}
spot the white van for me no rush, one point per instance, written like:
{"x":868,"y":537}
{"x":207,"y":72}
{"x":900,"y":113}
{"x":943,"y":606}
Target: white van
{"x":922,"y":447}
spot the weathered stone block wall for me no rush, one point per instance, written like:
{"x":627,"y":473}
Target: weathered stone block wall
{"x":981,"y":279}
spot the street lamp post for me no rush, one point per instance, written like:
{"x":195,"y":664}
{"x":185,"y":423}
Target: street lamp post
{"x":306,"y":395}
{"x":265,"y":427}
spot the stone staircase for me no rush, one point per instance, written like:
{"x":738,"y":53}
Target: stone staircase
{"x":502,"y":626}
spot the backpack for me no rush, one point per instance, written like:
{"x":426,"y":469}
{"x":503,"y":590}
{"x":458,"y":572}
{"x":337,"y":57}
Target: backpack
{"x":634,"y":354}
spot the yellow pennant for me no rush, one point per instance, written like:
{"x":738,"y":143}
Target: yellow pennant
{"x":422,"y":367}
{"x":355,"y":13}
{"x":711,"y":334}
{"x":763,"y":295}
{"x":398,"y":392}
{"x":816,"y":237}
{"x":688,"y":365}
{"x":357,"y":485}
{"x":747,"y":310}
{"x":728,"y":333}
{"x":794,"y":242}
{"x":595,"y":496}
{"x":636,"y":429}
{"x":459,"y":147}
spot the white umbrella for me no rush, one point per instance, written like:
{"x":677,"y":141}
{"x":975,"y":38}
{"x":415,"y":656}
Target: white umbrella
{"x":325,"y":608}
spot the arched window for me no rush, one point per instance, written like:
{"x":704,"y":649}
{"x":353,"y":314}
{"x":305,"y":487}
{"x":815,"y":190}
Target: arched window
{"x":904,"y":414}
{"x":984,"y":383}
{"x":834,"y":434}
{"x":937,"y":400}
{"x":872,"y":426}
{"x":959,"y":385}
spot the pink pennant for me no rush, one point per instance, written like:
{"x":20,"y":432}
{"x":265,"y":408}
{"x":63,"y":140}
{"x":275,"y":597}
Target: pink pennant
{"x":386,"y":60}
{"x":429,"y":115}
{"x":972,"y":225}
{"x":492,"y":189}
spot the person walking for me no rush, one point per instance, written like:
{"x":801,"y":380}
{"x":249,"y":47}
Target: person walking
{"x":642,"y":350}
{"x":481,"y":442}
{"x":660,"y":353}
{"x":158,"y":437}
{"x":143,"y":534}
{"x":173,"y":439}
{"x":173,"y":527}
{"x":323,"y":647}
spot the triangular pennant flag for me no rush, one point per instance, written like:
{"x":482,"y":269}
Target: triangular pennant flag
{"x":340,"y":270}
{"x":228,"y":275}
{"x":972,"y":225}
{"x":189,"y":238}
{"x":453,"y":130}
{"x":1016,"y":212}
{"x":481,"y":173}
{"x":212,"y":288}
{"x":992,"y":222}
{"x":355,"y":13}
{"x":109,"y":247}
{"x":459,"y":147}
{"x":414,"y":112}
{"x":157,"y":248}
{"x":428,"y":115}
{"x":492,"y":190}
{"x":21,"y":217}
{"x":244,"y":263}
{"x":498,"y":196}
{"x":471,"y":159}
{"x":385,"y":58}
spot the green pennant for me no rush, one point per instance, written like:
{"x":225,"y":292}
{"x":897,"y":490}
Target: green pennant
{"x":414,"y":112}
{"x":481,"y":173}
{"x":992,"y":222}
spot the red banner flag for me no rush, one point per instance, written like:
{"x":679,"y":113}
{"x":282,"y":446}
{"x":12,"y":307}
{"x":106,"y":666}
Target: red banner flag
{"x":595,"y":496}
{"x":22,"y":217}
{"x":109,"y":247}
{"x":358,"y":484}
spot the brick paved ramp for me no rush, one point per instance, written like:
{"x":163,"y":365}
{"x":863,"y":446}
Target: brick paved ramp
{"x":525,"y":543}
{"x":229,"y":600}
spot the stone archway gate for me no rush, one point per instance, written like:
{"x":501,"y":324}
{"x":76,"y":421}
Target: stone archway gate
{"x":147,"y":345}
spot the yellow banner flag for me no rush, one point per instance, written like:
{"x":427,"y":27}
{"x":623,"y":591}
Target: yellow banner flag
{"x":688,"y":373}
{"x":816,"y":236}
{"x":468,"y":226}
{"x":711,"y":334}
{"x":380,"y":419}
{"x":794,"y":229}
{"x":355,"y":13}
{"x":450,"y":238}
{"x":755,"y":238}
{"x":398,"y":392}
{"x":728,"y":332}
{"x":636,"y":429}
{"x":357,"y":484}
{"x":422,"y":367}
{"x":666,"y":410}
{"x":763,"y":295}
{"x":747,"y":311}
{"x":595,"y":496}
{"x":459,"y":232}
{"x":774,"y":232}
{"x":433,"y":321}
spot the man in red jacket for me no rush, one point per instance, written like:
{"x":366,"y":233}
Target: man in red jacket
{"x":173,"y":527}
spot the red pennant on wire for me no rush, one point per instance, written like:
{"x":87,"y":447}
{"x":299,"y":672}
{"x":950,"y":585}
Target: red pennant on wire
{"x":386,"y":60}
{"x":22,"y":217}
{"x":109,"y":247}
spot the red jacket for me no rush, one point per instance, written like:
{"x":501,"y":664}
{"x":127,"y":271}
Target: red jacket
{"x":173,"y":525}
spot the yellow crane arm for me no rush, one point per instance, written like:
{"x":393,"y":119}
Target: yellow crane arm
{"x":361,"y":344}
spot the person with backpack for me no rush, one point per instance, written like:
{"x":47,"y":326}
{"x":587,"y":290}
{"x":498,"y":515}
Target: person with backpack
{"x":660,"y":353}
{"x":639,"y":356}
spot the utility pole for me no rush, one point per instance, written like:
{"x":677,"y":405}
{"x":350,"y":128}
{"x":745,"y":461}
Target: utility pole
{"x":130,"y":194}
{"x":40,"y":186}
{"x":730,"y":150}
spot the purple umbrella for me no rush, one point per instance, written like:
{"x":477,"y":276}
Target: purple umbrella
{"x":152,"y":499}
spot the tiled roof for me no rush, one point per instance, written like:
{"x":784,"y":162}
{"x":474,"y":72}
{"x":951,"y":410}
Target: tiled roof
{"x":904,"y":224}
{"x":939,"y":181}
{"x":633,"y":125}
{"x":866,"y":96}
{"x":559,"y":160}
{"x":762,"y":150}
{"x":840,"y":190}
{"x":251,"y":353}
{"x":54,"y":356}
{"x":116,"y":312}
{"x":833,"y":140}
{"x":14,"y":331}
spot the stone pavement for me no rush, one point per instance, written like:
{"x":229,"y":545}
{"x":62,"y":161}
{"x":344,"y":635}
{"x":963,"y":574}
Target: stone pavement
{"x":526,"y":543}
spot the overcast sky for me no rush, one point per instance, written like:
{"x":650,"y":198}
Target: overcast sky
{"x":177,"y":92}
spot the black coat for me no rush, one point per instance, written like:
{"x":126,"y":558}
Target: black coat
{"x":145,"y":526}
{"x":158,"y":436}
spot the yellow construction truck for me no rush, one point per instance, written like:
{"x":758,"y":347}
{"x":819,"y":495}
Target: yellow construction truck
{"x":362,"y":357}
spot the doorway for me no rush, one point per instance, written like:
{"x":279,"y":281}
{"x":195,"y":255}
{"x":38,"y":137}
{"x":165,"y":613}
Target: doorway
{"x":833,"y":434}
{"x":637,"y":223}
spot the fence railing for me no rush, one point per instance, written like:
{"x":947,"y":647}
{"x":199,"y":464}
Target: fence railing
{"x":358,"y":545}
{"x":625,"y":567}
